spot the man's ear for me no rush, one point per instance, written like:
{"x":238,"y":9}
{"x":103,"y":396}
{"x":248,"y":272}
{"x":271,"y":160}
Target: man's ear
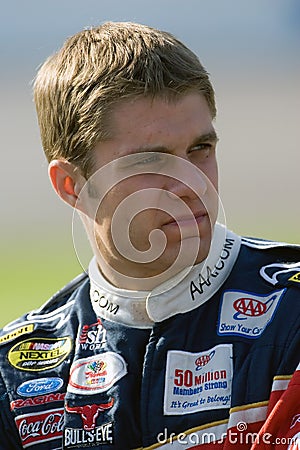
{"x":66,"y":181}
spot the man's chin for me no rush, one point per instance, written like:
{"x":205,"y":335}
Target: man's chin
{"x":190,"y":252}
{"x":175,"y":258}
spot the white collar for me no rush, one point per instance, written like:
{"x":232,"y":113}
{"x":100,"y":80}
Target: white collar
{"x":182,"y":293}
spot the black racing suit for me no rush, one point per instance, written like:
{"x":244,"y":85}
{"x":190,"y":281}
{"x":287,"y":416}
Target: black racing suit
{"x":199,"y":363}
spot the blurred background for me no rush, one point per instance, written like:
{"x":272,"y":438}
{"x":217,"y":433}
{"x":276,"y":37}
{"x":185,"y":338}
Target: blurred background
{"x":251,"y":50}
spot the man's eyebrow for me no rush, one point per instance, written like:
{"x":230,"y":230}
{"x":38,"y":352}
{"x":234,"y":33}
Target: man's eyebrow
{"x":211,"y":136}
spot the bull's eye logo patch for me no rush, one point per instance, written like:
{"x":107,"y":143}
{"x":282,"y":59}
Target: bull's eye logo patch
{"x":90,"y":432}
{"x":246,"y":313}
{"x":89,"y":413}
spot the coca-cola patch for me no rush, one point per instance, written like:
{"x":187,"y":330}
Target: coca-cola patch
{"x":40,"y":427}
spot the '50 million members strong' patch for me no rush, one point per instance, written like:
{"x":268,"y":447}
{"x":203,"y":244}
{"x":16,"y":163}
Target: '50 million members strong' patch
{"x":198,"y":381}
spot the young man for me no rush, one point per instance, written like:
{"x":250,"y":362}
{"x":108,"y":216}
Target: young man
{"x":182,"y":334}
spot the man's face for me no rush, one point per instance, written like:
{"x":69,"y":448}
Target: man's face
{"x":157,"y":172}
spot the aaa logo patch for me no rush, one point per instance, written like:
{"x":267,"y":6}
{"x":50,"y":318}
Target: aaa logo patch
{"x":247,"y":314}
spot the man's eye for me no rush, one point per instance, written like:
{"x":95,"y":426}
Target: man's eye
{"x":201,"y":150}
{"x":206,"y":146}
{"x":151,"y":160}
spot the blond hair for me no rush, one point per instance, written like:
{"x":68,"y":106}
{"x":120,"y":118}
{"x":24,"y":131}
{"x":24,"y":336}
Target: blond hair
{"x":76,"y":88}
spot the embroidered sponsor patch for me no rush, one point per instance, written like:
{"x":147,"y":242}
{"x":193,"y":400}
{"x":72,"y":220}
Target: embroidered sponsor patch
{"x":295,"y":278}
{"x":25,"y":329}
{"x":247,"y":314}
{"x":92,"y":336}
{"x":90,"y":433}
{"x":96,"y":373}
{"x":295,"y":421}
{"x":39,"y":386}
{"x":39,"y":353}
{"x":40,"y":427}
{"x":36,"y":401}
{"x":294,"y":442}
{"x":280,"y":273}
{"x":78,"y":437}
{"x":198,"y":381}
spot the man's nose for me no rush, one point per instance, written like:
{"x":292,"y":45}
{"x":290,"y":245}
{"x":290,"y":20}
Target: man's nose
{"x":187,"y":182}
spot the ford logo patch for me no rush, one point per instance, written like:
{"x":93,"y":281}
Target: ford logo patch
{"x":39,"y":386}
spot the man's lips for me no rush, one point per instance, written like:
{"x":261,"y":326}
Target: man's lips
{"x":190,"y":219}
